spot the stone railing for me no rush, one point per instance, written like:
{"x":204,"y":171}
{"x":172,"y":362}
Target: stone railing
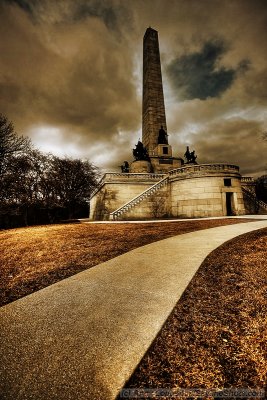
{"x":136,"y":200}
{"x":253,"y":196}
{"x":114,"y":176}
{"x":202,"y":168}
{"x":247,"y":179}
{"x":109,"y":176}
{"x":186,"y":169}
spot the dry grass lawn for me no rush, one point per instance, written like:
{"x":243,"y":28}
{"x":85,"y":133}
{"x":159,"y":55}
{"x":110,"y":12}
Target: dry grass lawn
{"x":33,"y":258}
{"x":216,"y":335}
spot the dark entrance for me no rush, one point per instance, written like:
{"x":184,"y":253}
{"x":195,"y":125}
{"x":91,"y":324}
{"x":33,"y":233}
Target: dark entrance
{"x":229,"y":197}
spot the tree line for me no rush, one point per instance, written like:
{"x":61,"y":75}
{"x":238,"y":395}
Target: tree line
{"x":38,"y":188}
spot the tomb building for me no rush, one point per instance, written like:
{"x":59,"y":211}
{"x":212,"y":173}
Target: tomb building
{"x":156,"y":184}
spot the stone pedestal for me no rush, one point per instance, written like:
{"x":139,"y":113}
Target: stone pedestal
{"x":140,"y":166}
{"x":161,"y":165}
{"x":162,"y":150}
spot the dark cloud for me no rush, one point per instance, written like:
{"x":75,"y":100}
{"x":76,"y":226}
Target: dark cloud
{"x":219,"y":142}
{"x":106,"y":11}
{"x":66,"y":11}
{"x":198,"y":76}
{"x":27,"y":5}
{"x":71,"y":75}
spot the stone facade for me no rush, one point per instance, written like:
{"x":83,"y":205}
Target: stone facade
{"x":116,"y":190}
{"x":208,"y":190}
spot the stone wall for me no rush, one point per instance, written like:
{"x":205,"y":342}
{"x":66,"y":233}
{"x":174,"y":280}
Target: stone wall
{"x":155,"y":206}
{"x":192,"y":191}
{"x":206,"y":192}
{"x":117,"y":189}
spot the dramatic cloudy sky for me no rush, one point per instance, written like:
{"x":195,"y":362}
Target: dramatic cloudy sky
{"x":71,"y":76}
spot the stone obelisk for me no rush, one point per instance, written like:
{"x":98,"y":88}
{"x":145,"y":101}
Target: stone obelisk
{"x":153,"y":115}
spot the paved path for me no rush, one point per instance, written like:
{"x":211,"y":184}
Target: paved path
{"x":149,"y":221}
{"x":81,"y":338}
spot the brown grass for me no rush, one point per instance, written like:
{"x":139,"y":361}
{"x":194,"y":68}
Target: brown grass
{"x":33,"y":258}
{"x":216,"y":335}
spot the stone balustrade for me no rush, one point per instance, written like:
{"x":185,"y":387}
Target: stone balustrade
{"x":187,"y":169}
{"x":136,"y":200}
{"x":109,"y":176}
{"x":247,"y":179}
{"x":125,"y":178}
{"x":253,"y":196}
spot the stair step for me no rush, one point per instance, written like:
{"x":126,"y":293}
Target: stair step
{"x":136,"y":200}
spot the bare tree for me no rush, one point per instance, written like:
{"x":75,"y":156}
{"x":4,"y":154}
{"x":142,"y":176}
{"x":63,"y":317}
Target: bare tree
{"x":10,"y":142}
{"x":72,"y":180}
{"x":37,"y":187}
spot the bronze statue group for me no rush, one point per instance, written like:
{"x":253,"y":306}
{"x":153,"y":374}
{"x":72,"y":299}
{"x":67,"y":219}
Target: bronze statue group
{"x":140,"y":152}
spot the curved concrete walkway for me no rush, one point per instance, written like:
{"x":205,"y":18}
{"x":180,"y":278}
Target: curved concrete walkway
{"x":149,"y":221}
{"x":82,"y":338}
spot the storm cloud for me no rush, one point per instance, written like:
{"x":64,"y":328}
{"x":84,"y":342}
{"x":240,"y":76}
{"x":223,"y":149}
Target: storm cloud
{"x":198,"y":76}
{"x":71,"y":76}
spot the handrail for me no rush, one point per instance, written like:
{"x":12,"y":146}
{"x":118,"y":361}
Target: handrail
{"x":201,"y":167}
{"x":137,"y":199}
{"x":130,"y":174}
{"x":105,"y":178}
{"x":173,"y":172}
{"x":253,"y":195}
{"x":247,"y":179}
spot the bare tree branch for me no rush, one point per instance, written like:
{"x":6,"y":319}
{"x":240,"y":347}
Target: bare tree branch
{"x":10,"y":142}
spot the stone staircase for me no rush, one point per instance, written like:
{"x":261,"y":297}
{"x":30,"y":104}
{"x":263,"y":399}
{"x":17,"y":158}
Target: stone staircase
{"x":253,"y":197}
{"x":138,"y":199}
